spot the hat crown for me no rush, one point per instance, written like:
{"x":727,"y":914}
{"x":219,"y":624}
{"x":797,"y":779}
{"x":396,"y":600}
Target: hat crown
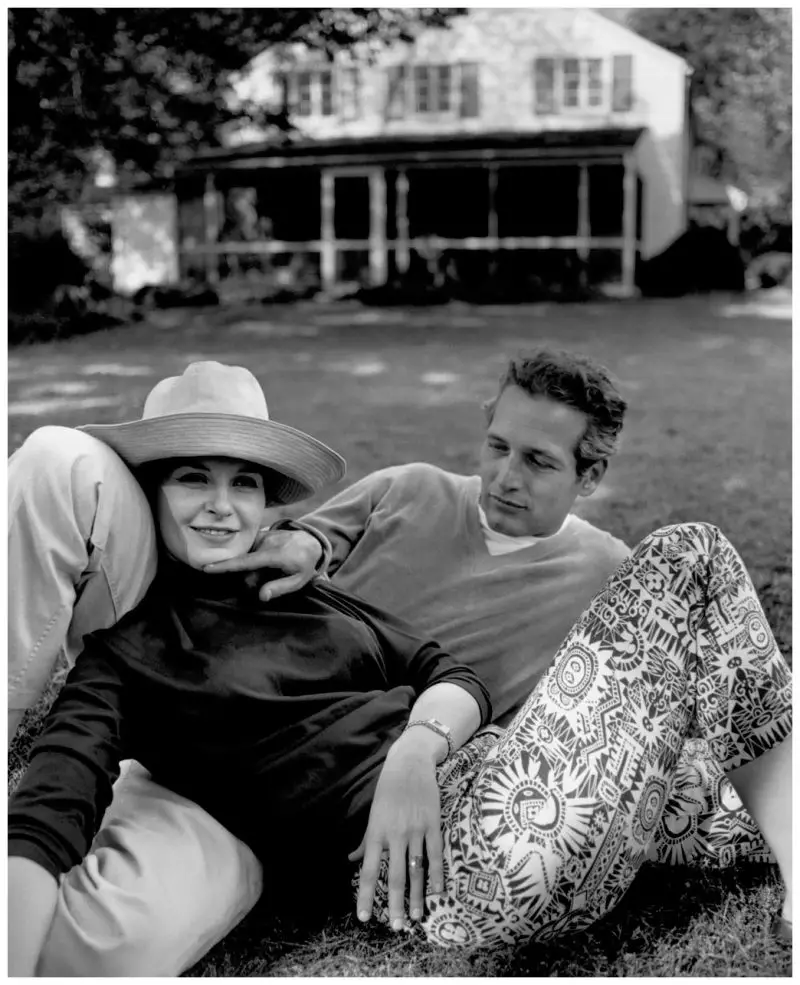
{"x":208,"y":388}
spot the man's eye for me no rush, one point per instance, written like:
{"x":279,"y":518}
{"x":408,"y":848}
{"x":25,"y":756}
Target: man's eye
{"x":191,"y":477}
{"x":247,"y":481}
{"x":494,"y":446}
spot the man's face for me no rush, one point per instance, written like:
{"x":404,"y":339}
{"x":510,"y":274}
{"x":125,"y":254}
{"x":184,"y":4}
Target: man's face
{"x":210,"y":509}
{"x":527,"y":466}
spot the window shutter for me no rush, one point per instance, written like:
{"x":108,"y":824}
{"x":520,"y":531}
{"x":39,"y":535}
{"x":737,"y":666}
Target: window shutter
{"x":396,"y":92}
{"x":544,"y":77}
{"x":622,"y":86}
{"x":470,"y":90}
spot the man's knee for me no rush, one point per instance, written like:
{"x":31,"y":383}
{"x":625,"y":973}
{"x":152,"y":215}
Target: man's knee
{"x":685,"y":539}
{"x":51,"y":448}
{"x":57,"y":465}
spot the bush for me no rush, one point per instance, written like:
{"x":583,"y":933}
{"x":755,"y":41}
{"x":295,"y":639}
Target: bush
{"x":39,"y":261}
{"x":700,"y":260}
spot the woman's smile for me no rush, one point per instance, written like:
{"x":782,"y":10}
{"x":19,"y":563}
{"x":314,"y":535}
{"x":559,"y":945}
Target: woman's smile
{"x":215,"y":533}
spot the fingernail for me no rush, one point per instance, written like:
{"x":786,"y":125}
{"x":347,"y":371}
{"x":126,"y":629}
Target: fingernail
{"x":397,"y":925}
{"x":416,"y":914}
{"x":363,"y":915}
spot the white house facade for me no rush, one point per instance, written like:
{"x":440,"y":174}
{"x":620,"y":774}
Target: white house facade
{"x":530,"y":140}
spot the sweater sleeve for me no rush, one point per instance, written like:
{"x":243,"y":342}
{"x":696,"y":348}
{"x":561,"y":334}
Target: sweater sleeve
{"x":57,"y":808}
{"x":344,"y":518}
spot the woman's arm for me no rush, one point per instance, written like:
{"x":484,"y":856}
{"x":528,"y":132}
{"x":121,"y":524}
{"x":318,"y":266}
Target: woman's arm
{"x":59,"y":803}
{"x":405,"y":817}
{"x":32,"y":895}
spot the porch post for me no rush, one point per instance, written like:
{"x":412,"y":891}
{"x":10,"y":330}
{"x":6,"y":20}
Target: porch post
{"x":327,"y":262}
{"x":629,"y":227}
{"x":378,"y":258}
{"x":493,"y":226}
{"x":584,"y":226}
{"x":402,"y":256}
{"x":211,"y":228}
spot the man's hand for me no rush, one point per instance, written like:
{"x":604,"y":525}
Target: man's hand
{"x":405,"y":820}
{"x":293,"y":551}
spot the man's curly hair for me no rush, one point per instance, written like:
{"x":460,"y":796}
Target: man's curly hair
{"x":578,"y":382}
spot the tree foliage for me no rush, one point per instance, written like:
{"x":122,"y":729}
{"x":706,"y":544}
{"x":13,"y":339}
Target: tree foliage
{"x":741,"y":88}
{"x":149,"y":85}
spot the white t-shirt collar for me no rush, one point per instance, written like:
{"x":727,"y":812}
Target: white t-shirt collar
{"x":499,"y":543}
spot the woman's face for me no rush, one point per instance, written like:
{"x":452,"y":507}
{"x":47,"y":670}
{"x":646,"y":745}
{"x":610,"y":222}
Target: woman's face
{"x":210,"y":509}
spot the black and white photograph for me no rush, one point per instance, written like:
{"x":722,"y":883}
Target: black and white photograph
{"x":399,"y":555}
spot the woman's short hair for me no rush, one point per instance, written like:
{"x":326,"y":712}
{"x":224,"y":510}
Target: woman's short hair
{"x":579,"y":382}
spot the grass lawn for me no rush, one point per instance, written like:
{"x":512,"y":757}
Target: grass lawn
{"x":708,"y":437}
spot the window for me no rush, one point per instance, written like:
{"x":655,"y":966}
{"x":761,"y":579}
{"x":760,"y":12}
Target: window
{"x":441,"y":89}
{"x":320,"y":92}
{"x":326,"y":93}
{"x":422,"y":89}
{"x":302,"y":95}
{"x":582,"y":83}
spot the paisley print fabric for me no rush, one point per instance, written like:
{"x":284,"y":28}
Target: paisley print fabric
{"x":669,"y":679}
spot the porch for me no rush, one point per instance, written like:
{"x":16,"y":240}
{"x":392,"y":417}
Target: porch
{"x":376,"y":210}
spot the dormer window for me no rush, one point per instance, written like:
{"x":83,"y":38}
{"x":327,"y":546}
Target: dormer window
{"x":433,"y":90}
{"x":323,"y":92}
{"x":576,"y":84}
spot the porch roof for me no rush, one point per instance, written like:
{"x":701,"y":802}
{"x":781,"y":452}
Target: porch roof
{"x":409,"y":148}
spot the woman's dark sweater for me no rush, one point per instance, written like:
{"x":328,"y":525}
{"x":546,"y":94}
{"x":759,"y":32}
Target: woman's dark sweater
{"x":276,"y":718}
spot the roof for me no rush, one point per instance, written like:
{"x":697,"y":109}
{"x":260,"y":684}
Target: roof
{"x":484,"y":146}
{"x":622,"y":29}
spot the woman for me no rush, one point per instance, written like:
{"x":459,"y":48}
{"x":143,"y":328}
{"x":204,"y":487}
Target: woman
{"x":287,"y":724}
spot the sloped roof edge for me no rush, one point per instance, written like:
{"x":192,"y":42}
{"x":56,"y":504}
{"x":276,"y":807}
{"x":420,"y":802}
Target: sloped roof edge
{"x":623,"y":137}
{"x":597,"y":14}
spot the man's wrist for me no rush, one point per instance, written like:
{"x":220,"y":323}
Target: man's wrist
{"x":325,"y":545}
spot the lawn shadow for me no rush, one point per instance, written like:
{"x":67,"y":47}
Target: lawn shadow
{"x":673,"y":921}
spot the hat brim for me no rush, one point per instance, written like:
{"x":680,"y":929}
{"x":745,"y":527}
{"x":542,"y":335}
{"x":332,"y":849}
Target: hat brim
{"x":306,"y":464}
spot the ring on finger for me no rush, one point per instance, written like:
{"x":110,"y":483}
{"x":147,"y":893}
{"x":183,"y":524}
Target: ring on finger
{"x":416,"y":862}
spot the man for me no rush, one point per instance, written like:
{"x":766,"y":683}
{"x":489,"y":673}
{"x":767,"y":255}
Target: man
{"x":495,"y":567}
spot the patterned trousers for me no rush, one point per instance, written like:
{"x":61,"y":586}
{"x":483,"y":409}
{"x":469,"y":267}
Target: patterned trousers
{"x":669,"y":679}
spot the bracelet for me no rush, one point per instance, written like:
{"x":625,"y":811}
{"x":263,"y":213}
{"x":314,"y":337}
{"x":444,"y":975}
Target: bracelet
{"x":435,"y":726}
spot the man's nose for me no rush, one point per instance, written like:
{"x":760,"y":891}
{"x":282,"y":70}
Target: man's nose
{"x":508,"y":475}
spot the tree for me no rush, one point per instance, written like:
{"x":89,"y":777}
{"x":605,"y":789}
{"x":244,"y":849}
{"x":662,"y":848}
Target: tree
{"x":148,"y":86}
{"x":741,"y":89}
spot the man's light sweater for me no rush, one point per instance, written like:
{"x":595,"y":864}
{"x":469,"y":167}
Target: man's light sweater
{"x":409,"y":539}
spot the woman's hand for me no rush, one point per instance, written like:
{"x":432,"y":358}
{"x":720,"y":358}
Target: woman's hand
{"x":405,"y":820}
{"x":293,"y":551}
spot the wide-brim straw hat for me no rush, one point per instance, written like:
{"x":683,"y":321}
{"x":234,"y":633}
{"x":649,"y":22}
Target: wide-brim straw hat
{"x":214,"y":410}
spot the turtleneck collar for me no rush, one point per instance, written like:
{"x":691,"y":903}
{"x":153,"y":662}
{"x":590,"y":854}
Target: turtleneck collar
{"x":178,"y":578}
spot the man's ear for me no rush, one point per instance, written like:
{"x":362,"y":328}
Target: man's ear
{"x":590,"y":479}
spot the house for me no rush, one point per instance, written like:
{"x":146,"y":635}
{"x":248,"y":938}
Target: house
{"x":527,"y":143}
